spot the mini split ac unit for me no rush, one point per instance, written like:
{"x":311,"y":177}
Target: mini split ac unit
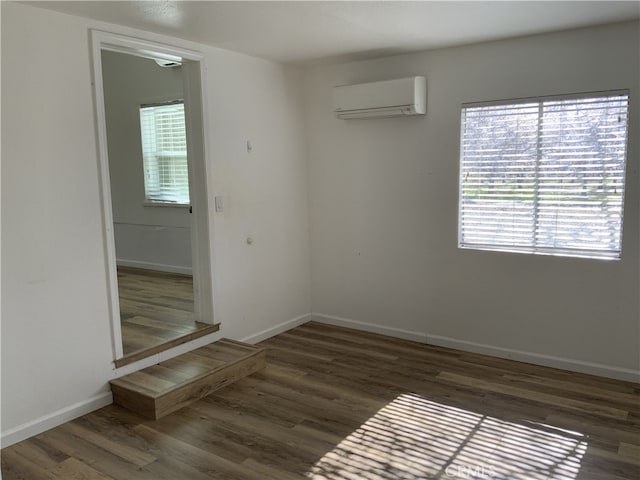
{"x":389,"y":98}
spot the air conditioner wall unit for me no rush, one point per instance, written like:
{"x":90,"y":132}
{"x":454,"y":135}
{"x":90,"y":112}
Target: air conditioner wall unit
{"x":389,"y":98}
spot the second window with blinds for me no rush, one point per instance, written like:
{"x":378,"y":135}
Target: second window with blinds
{"x":544,"y":175}
{"x":164,"y":153}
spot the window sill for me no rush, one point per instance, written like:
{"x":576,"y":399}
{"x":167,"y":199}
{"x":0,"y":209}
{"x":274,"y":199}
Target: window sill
{"x":165,"y":204}
{"x":586,"y":254}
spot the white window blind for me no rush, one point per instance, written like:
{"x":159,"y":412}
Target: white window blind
{"x":164,"y":153}
{"x":544,"y":175}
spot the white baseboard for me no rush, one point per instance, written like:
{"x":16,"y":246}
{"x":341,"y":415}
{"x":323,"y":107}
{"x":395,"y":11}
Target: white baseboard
{"x":160,"y":267}
{"x":273,"y":331}
{"x":618,"y":373}
{"x":370,"y":327}
{"x":600,"y":370}
{"x":42,"y":424}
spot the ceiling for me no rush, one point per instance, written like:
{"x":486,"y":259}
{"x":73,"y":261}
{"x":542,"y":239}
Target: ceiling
{"x":311,"y":32}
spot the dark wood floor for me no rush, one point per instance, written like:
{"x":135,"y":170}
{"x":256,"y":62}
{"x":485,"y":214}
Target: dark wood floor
{"x":155,"y":308}
{"x":337,"y":404}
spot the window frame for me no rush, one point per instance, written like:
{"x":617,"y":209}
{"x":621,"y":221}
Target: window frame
{"x":537,"y":249}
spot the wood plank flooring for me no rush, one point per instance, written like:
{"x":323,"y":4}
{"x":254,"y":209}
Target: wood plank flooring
{"x":156,"y":308}
{"x":337,"y":404}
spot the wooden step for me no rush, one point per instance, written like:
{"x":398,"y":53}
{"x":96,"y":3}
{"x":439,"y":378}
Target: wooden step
{"x":161,"y":389}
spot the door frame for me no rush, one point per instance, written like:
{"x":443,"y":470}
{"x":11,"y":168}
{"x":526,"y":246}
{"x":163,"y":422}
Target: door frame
{"x":196,"y":125}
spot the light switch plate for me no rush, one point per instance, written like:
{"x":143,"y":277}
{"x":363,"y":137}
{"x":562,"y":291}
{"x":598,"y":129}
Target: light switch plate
{"x":219,"y":203}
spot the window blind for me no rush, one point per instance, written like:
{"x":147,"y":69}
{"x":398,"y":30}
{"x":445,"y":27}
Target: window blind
{"x":164,"y":153}
{"x":544,"y":175}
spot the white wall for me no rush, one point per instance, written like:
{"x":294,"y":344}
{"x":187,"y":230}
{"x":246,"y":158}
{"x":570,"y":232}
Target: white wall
{"x":56,"y":345}
{"x":383,"y":199}
{"x":265,"y":194}
{"x":146,"y":236}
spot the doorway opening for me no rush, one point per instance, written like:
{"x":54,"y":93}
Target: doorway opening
{"x":150,"y":125}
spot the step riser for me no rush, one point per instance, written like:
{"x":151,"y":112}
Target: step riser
{"x":200,"y":389}
{"x":133,"y":401}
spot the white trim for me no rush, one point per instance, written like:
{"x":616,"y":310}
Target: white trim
{"x":543,"y":98}
{"x":370,"y":327}
{"x":197,"y":122}
{"x":193,"y":73}
{"x":598,"y":369}
{"x":280,"y":328}
{"x":143,"y":48}
{"x":162,"y":203}
{"x":97,"y":40}
{"x":160,"y":267}
{"x":590,"y":368}
{"x":46,"y":422}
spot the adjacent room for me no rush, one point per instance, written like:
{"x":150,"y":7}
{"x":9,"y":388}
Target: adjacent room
{"x":326,"y":240}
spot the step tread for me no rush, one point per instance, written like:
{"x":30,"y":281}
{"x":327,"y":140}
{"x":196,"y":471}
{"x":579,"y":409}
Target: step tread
{"x":158,"y":390}
{"x":154,"y":381}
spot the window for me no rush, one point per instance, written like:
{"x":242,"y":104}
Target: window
{"x":164,"y":153}
{"x":544,"y":175}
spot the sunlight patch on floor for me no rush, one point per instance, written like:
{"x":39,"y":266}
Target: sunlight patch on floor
{"x":414,"y":438}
